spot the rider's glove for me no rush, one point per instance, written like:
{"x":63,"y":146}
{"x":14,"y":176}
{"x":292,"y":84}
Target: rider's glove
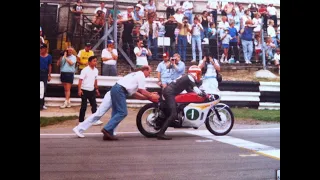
{"x":197,"y":90}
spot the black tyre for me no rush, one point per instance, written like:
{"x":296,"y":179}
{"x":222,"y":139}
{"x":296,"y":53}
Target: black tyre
{"x":226,"y":123}
{"x":148,"y":130}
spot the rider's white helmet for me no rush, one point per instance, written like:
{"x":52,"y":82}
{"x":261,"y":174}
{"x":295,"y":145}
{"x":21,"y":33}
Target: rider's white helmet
{"x":195,"y":71}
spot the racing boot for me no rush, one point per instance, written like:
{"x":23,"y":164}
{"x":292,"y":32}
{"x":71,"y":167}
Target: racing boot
{"x":163,"y":137}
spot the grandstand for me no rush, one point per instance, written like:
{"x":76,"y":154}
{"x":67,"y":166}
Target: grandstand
{"x":56,"y":20}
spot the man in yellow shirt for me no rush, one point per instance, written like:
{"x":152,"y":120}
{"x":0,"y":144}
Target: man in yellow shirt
{"x":83,"y":56}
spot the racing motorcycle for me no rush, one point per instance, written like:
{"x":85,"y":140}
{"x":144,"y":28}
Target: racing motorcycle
{"x":192,"y":112}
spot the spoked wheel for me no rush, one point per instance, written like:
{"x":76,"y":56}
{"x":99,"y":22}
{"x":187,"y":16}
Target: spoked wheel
{"x":146,"y":120}
{"x":223,"y":127}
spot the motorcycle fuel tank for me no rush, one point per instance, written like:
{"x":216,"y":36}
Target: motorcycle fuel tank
{"x":189,"y":98}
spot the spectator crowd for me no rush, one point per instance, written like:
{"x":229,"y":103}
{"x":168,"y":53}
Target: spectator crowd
{"x":238,"y":32}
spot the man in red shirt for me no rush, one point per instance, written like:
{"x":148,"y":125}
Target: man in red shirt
{"x":264,"y":13}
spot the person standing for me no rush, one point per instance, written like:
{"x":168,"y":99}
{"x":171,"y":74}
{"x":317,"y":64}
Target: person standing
{"x":67,"y":69}
{"x":109,"y":58}
{"x":45,"y":71}
{"x":88,"y":87}
{"x":83,"y":56}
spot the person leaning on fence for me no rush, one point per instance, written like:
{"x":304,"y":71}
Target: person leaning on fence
{"x":67,"y":64}
{"x":83,"y":56}
{"x":88,"y":87}
{"x":109,"y":57}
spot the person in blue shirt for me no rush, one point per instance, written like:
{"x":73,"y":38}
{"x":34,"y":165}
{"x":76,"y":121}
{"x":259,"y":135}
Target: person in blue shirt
{"x":247,"y":40}
{"x":178,"y":66}
{"x":234,"y":42}
{"x":45,"y":72}
{"x":165,"y":71}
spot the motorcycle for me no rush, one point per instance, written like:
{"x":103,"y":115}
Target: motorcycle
{"x":192,"y":112}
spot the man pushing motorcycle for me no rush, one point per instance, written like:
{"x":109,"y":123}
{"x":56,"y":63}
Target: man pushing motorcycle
{"x":189,"y":82}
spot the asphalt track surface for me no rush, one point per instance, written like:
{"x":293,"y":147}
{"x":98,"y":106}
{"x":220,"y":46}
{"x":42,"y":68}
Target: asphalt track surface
{"x":244,"y":154}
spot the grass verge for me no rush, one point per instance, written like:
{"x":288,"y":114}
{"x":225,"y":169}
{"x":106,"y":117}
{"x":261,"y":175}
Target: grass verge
{"x":255,"y":114}
{"x":46,"y":121}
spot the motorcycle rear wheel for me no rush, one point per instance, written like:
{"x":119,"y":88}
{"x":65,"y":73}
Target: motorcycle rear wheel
{"x":227,"y":120}
{"x":149,"y":130}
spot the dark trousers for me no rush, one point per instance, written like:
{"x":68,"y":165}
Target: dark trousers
{"x":233,"y":50}
{"x":215,"y":16}
{"x":213,"y":48}
{"x":91,"y":96}
{"x":169,"y":95}
{"x":127,"y":46}
{"x":265,"y":22}
{"x":44,"y":78}
{"x":172,"y":48}
{"x":169,"y":12}
{"x":109,"y":70}
{"x":274,"y":18}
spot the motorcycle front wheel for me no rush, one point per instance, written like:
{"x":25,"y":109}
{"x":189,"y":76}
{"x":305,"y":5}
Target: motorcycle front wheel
{"x":223,"y":127}
{"x":146,"y":118}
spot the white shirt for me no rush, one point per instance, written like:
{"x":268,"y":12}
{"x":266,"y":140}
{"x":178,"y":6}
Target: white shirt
{"x":257,"y":45}
{"x":244,"y":19}
{"x":144,"y":30}
{"x":276,"y":56}
{"x":236,"y":19}
{"x":211,"y":71}
{"x":124,"y":15}
{"x":257,"y":22}
{"x":227,"y":39}
{"x":106,"y":54}
{"x":271,"y":31}
{"x":196,"y":30}
{"x":210,"y":83}
{"x":212,"y":4}
{"x":150,"y":8}
{"x":99,"y":8}
{"x":238,"y":12}
{"x":271,"y":10}
{"x":187,"y":5}
{"x":178,"y":17}
{"x":170,"y":3}
{"x":142,"y":59}
{"x":222,"y":26}
{"x":88,"y":76}
{"x":133,"y":81}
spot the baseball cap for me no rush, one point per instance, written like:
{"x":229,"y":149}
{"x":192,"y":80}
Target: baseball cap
{"x":139,"y":5}
{"x":165,"y":54}
{"x":110,"y":42}
{"x":88,"y":44}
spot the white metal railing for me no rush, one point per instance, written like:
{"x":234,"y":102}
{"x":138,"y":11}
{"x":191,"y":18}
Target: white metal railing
{"x":152,"y":83}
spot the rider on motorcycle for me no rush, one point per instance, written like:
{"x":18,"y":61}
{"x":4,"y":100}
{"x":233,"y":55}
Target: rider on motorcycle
{"x":189,"y":82}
